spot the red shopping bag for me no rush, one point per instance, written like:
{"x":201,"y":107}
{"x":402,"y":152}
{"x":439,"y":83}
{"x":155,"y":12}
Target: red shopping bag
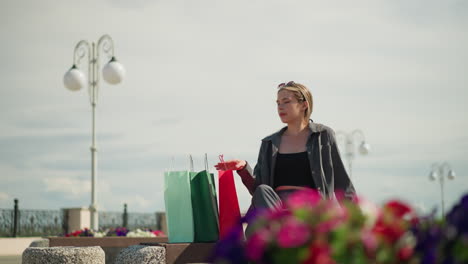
{"x":229,"y":212}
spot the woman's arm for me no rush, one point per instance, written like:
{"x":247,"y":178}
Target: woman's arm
{"x":247,"y":177}
{"x":242,"y":168}
{"x":251,"y":178}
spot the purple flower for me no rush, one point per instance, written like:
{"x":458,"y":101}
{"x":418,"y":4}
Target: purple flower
{"x":428,"y":236}
{"x":437,"y":240}
{"x":458,"y":216}
{"x":230,"y":249}
{"x":251,"y":215}
{"x":119,"y":231}
{"x":86,"y":233}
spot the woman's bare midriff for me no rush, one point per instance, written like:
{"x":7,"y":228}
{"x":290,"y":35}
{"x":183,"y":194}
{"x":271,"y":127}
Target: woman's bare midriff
{"x":290,"y":187}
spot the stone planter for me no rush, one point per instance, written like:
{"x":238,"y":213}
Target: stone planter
{"x":142,"y":254}
{"x":63,"y":255}
{"x":111,"y":245}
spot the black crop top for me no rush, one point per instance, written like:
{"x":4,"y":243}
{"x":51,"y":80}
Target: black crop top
{"x":293,"y":169}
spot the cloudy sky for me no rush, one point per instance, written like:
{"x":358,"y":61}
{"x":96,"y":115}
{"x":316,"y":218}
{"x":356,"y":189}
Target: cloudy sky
{"x":201,"y":78}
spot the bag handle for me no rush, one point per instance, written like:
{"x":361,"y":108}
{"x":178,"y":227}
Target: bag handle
{"x":221,"y":158}
{"x":171,"y":168}
{"x":206,"y":163}
{"x":191,"y":162}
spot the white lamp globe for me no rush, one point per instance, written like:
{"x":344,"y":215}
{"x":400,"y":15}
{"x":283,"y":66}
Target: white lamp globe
{"x":451,"y":175}
{"x":113,"y":72}
{"x":74,"y":79}
{"x":433,"y":176}
{"x":364,"y":148}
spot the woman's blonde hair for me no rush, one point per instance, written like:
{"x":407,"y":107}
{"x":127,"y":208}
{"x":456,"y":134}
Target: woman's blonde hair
{"x":301,"y":93}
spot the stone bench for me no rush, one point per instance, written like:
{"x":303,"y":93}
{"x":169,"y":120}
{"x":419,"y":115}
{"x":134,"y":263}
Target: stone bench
{"x":63,"y":255}
{"x":140,"y":250}
{"x":40,"y":243}
{"x":111,"y":245}
{"x":142,"y":255}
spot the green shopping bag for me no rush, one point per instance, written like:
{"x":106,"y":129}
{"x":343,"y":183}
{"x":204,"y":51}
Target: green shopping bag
{"x":204,"y":205}
{"x":178,"y":204}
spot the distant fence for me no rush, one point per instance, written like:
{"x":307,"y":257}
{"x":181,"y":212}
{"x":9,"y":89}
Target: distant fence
{"x":15,"y":222}
{"x":30,"y":223}
{"x":134,"y":220}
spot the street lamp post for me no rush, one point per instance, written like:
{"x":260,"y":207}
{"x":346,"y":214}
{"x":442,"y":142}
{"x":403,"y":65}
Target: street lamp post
{"x":74,"y":79}
{"x":439,"y":172}
{"x":350,"y":149}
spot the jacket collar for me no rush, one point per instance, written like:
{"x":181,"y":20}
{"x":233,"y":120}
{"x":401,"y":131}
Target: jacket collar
{"x":275,"y":137}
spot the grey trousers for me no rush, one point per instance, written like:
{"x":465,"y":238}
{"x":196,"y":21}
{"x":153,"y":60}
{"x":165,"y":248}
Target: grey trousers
{"x":265,"y":197}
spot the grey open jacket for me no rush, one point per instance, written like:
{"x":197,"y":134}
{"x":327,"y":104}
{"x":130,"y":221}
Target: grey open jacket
{"x":327,"y":168}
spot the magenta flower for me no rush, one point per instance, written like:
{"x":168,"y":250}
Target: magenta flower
{"x":369,"y":241}
{"x":256,"y":245}
{"x":272,"y":215}
{"x":303,"y":199}
{"x":327,"y":226}
{"x":293,"y":233}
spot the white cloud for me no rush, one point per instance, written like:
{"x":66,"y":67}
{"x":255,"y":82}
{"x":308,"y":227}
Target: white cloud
{"x":135,"y":202}
{"x":67,"y":186}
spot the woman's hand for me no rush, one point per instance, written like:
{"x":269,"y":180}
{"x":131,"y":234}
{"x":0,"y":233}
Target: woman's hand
{"x":234,"y":164}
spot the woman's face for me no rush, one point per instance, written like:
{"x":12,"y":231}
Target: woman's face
{"x":289,"y":108}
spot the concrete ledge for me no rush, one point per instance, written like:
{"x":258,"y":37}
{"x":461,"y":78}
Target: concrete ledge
{"x":44,"y":242}
{"x":111,"y":245}
{"x":122,"y":242}
{"x":14,"y":246}
{"x":63,"y":255}
{"x":142,"y":254}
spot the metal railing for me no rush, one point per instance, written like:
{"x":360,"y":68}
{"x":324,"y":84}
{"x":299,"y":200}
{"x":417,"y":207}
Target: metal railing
{"x":134,"y":220}
{"x":15,"y":222}
{"x":30,"y":222}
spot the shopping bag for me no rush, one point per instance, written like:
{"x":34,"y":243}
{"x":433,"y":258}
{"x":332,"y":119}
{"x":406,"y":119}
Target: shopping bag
{"x":229,"y":212}
{"x":204,"y":205}
{"x":177,"y":198}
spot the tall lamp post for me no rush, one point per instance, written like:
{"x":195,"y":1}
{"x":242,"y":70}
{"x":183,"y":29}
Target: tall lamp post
{"x":350,"y":149}
{"x":440,"y":172}
{"x":74,"y":79}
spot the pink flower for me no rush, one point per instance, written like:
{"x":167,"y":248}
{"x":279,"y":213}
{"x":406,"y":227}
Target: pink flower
{"x":277,"y":214}
{"x":256,"y":244}
{"x":369,"y":240}
{"x":325,"y":227}
{"x":293,"y":233}
{"x":331,"y":216}
{"x":303,"y":198}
